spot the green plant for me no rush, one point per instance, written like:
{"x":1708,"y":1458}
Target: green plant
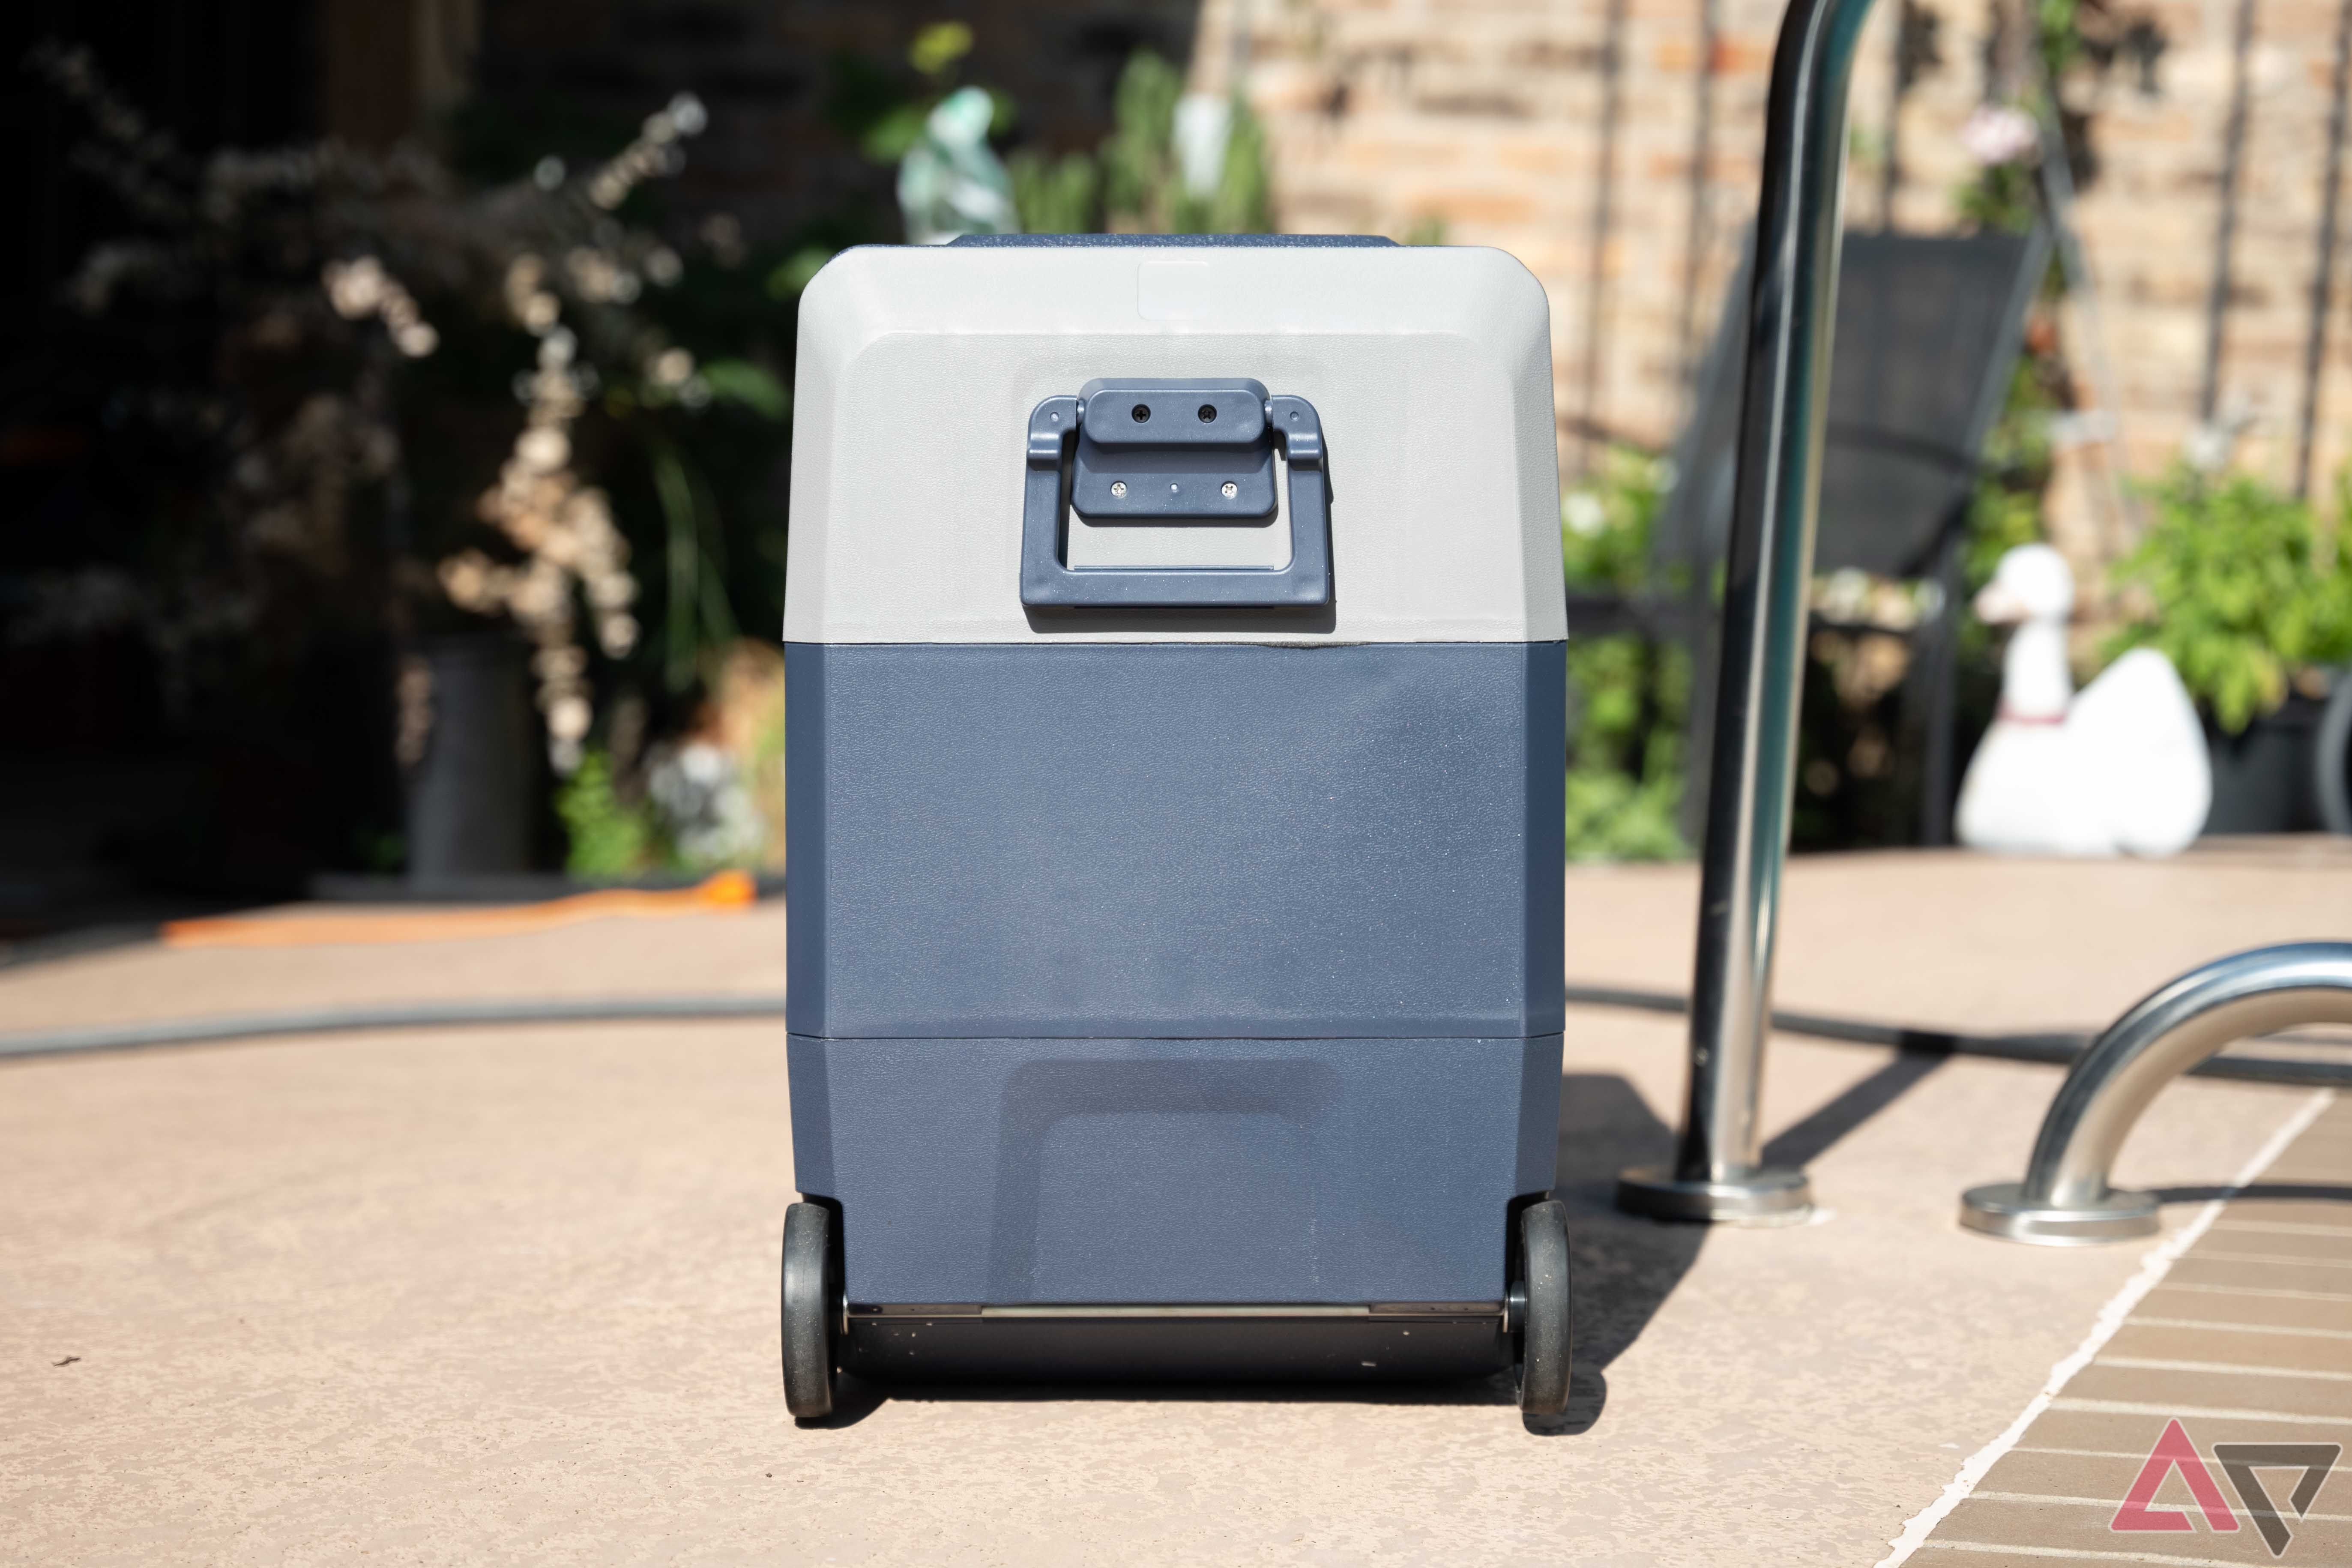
{"x":1999,"y":198}
{"x":2006,"y":138}
{"x":426,"y":405}
{"x":1629,"y":696}
{"x":2238,"y":590}
{"x":1055,"y":196}
{"x":2006,"y":510}
{"x":882,"y":113}
{"x":1605,"y":527}
{"x":1137,"y":179}
{"x":610,"y":836}
{"x":1625,"y":772}
{"x":1613,"y":816}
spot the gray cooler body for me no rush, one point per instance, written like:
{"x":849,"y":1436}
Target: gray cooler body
{"x":1176,"y":690}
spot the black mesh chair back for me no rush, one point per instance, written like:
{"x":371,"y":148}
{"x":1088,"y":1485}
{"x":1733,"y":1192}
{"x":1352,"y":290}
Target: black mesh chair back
{"x":1927,"y":334}
{"x":1929,"y":330}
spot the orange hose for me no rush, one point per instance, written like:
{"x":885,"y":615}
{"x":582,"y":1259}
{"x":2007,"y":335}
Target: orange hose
{"x":726,"y":892}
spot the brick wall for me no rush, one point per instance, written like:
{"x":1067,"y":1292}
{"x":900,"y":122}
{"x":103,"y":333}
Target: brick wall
{"x":1491,"y":115}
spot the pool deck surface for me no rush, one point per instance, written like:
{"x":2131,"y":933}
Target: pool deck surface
{"x":488,"y":1295}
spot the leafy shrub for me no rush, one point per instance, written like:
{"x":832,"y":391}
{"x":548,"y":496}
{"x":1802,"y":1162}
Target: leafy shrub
{"x":1136,"y":181}
{"x":2239,"y":591}
{"x":1627,"y":696}
{"x":610,"y":836}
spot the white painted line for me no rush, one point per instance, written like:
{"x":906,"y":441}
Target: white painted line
{"x":2235,"y":1368}
{"x":2272,"y":1257}
{"x":2078,"y":1555}
{"x":2210,"y":1412}
{"x":2153,"y":1267}
{"x":2253,"y":1290}
{"x":2110,"y":1503}
{"x":2137,"y":1458}
{"x":2280,"y":1228}
{"x":2240,"y":1328}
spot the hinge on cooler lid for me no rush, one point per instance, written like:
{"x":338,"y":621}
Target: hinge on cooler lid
{"x":1173,"y":452}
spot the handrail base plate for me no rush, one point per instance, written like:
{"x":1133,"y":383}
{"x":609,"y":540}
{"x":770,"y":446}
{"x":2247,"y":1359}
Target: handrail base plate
{"x":2002,"y":1210}
{"x":1758,"y":1197}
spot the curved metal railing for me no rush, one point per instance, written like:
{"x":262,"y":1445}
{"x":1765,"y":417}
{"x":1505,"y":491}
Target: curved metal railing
{"x":2065,"y":1199}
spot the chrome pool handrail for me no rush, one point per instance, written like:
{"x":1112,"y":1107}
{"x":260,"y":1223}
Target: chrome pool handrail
{"x":2065,"y":1199}
{"x":1792,"y":310}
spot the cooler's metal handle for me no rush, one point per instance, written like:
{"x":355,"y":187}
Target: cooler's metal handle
{"x":1048,"y":581}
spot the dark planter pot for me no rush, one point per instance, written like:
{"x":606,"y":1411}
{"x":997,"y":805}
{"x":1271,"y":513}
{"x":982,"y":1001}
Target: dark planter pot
{"x":471,"y":795}
{"x":2331,"y":758}
{"x":2274,"y":777}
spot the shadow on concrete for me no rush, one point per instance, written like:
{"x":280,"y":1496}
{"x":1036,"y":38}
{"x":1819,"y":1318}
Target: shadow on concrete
{"x":856,"y":1398}
{"x":1623,"y":1266}
{"x":1802,"y":1144}
{"x":2261,"y":1191}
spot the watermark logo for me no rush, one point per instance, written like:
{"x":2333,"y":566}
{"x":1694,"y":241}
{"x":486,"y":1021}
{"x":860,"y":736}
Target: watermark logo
{"x":2239,"y":1461}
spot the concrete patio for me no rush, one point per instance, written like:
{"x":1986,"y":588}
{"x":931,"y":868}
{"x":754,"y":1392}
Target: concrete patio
{"x":509,"y":1294}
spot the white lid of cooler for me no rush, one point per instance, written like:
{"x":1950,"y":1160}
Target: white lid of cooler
{"x":919,"y":367}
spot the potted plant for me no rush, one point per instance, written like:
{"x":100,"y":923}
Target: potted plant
{"x":2237,"y":585}
{"x":420,"y":416}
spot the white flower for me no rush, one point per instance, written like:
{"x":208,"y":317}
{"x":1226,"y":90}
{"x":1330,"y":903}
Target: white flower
{"x":2000,"y":133}
{"x":701,"y":796}
{"x":1205,"y":123}
{"x":565,"y":663}
{"x":544,"y":449}
{"x":355,"y":289}
{"x":1583,"y":514}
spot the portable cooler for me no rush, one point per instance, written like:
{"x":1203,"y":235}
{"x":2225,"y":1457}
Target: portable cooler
{"x":1175,"y":654}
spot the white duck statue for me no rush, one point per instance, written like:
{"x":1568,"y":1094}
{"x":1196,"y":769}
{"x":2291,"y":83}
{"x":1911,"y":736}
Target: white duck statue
{"x":2119,"y":768}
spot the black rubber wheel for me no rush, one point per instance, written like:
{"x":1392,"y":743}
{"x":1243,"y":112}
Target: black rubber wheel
{"x":1545,"y":1340}
{"x":812,"y":1297}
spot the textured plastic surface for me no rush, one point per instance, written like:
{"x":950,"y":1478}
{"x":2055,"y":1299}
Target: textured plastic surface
{"x":1202,"y":944}
{"x":1430,"y":367}
{"x":1175,"y":839}
{"x":1005,"y":1171}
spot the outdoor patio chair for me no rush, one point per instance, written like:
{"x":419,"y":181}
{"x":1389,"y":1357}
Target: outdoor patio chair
{"x":1929,"y":330}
